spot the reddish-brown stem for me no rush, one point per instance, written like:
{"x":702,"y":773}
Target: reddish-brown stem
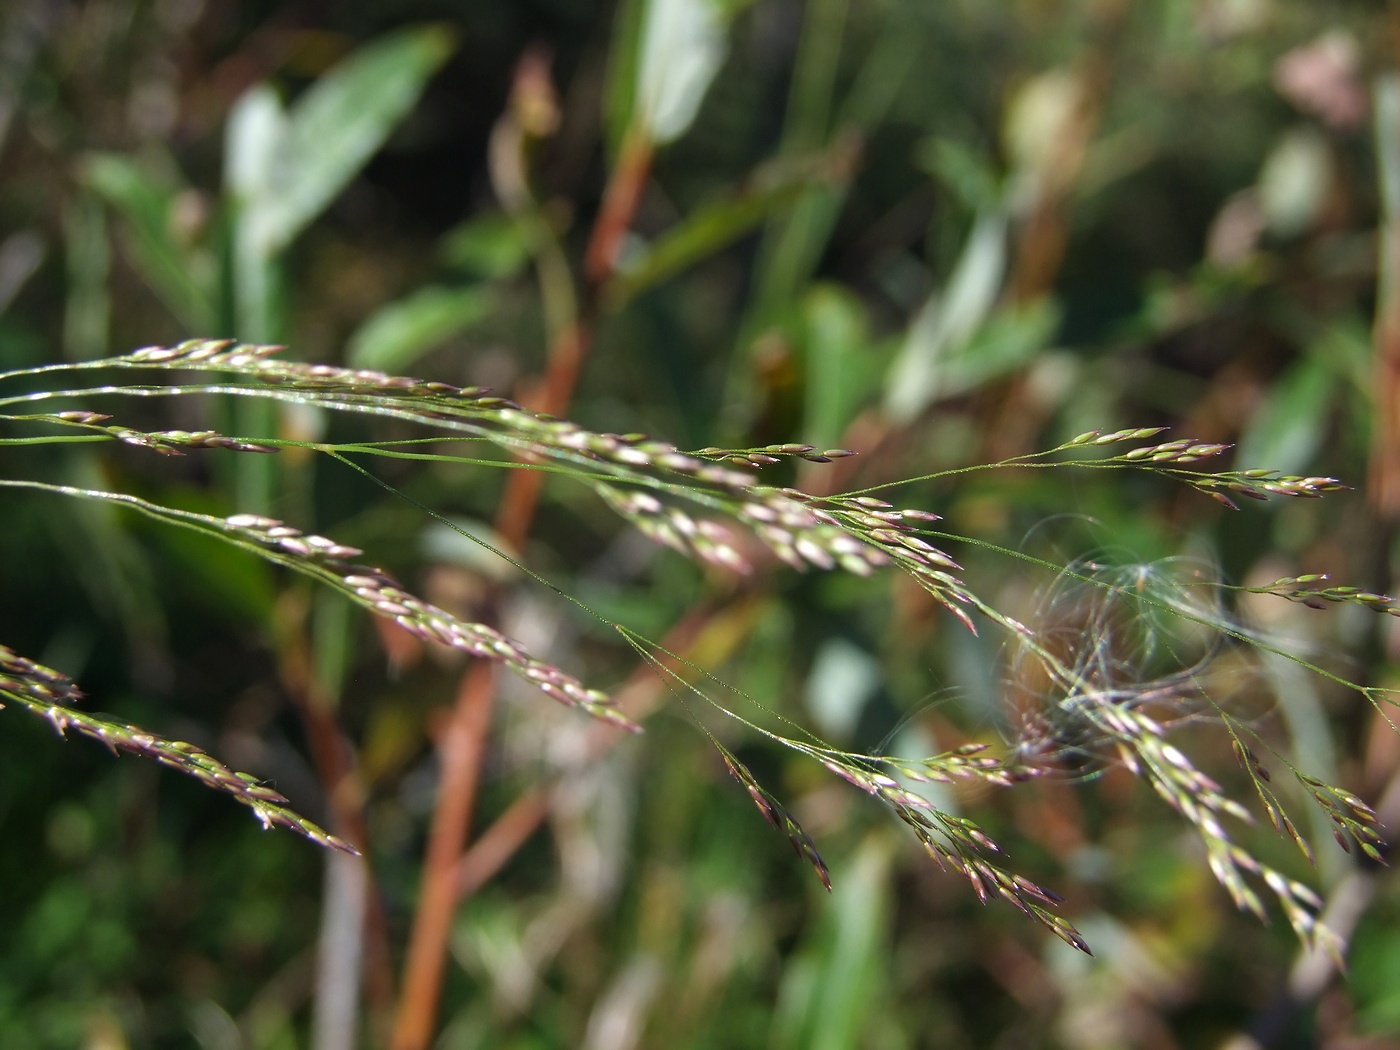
{"x":1044,"y":234}
{"x":1385,"y":444}
{"x":498,"y":843}
{"x":463,"y":743}
{"x":460,"y":751}
{"x":334,"y":760}
{"x":620,"y":200}
{"x":523,"y":486}
{"x":704,"y":635}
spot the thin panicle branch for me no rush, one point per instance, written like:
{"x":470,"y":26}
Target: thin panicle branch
{"x":374,"y":589}
{"x":53,"y":696}
{"x":1297,"y":589}
{"x":700,"y":504}
{"x":774,"y":812}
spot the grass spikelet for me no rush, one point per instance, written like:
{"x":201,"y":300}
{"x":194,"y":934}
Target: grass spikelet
{"x":334,"y":564}
{"x":1350,"y":816}
{"x":1099,"y":651}
{"x":1298,"y":589}
{"x":52,"y":696}
{"x":776,"y":815}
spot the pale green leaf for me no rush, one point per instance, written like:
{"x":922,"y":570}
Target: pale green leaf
{"x":183,"y":276}
{"x":401,"y":332}
{"x":683,"y":46}
{"x":286,"y":167}
{"x":1286,"y":431}
{"x":948,"y":321}
{"x":494,"y":246}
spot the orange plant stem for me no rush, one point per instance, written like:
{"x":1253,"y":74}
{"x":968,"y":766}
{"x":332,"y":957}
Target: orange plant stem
{"x":522,"y":490}
{"x":620,"y":200}
{"x":461,"y":749}
{"x":638,"y":698}
{"x":460,"y":752}
{"x":498,"y":843}
{"x":463,"y":743}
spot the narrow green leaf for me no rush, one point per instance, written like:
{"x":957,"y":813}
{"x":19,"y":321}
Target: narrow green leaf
{"x":295,"y":166}
{"x":1286,"y":431}
{"x":830,"y":995}
{"x":709,"y":229}
{"x":494,"y":246}
{"x":948,"y":321}
{"x":183,"y":276}
{"x":401,"y":332}
{"x":841,"y":366}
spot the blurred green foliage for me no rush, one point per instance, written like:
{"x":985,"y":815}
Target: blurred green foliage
{"x":939,"y":234}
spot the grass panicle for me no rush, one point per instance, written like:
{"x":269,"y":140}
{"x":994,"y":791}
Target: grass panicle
{"x":1095,"y":657}
{"x":1093,"y":663}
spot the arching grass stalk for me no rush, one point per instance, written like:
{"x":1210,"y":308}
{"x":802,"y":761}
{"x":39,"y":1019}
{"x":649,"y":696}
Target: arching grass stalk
{"x":54,"y":697}
{"x":699,"y":504}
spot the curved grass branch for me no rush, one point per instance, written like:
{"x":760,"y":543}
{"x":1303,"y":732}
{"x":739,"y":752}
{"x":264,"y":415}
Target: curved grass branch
{"x":692,"y":502}
{"x":52,"y":696}
{"x":372,"y":588}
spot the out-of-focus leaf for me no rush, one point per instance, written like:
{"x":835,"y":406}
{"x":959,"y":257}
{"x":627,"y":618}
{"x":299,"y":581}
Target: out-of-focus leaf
{"x":963,"y":170}
{"x":221,"y":576}
{"x":20,"y":255}
{"x":1007,"y":341}
{"x":87,"y":311}
{"x":287,"y":167}
{"x":334,"y":624}
{"x":444,"y":543}
{"x":683,"y":44}
{"x":1287,"y":429}
{"x":118,"y":579}
{"x":183,"y":276}
{"x":792,"y":250}
{"x":840,"y":366}
{"x":1037,"y":117}
{"x":843,"y":679}
{"x":832,"y":987}
{"x":621,"y":90}
{"x":393,"y":735}
{"x":796,"y":238}
{"x":230,"y":581}
{"x":1295,"y":181}
{"x":494,"y":246}
{"x":948,"y":321}
{"x":1387,"y":125}
{"x":707,"y":230}
{"x":1374,"y":974}
{"x":884,"y":71}
{"x":401,"y":332}
{"x":808,"y":121}
{"x":253,"y":144}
